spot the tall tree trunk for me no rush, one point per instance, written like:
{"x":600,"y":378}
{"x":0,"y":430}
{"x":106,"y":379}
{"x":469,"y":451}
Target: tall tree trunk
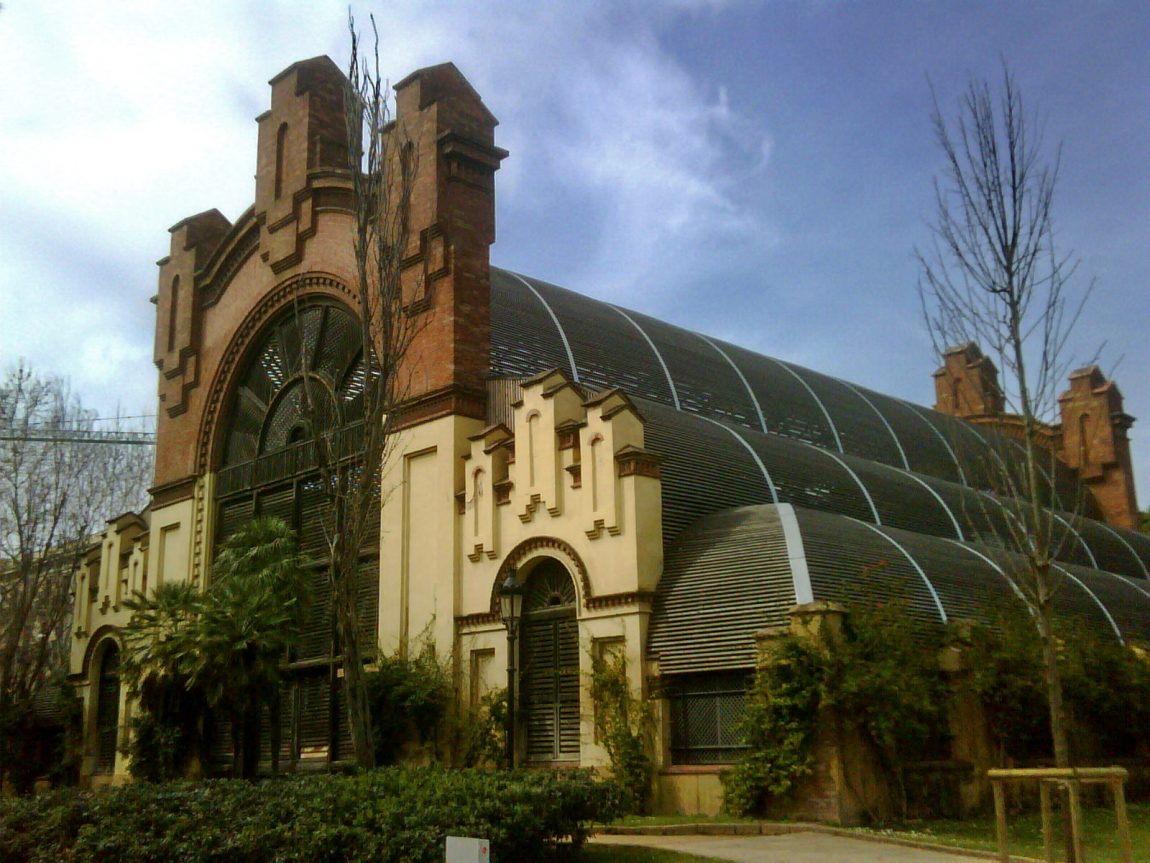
{"x":251,"y":731}
{"x":354,"y":683}
{"x":237,"y":723}
{"x":1058,"y":733}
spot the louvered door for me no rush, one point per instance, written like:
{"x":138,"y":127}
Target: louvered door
{"x":108,"y":711}
{"x":549,"y":663}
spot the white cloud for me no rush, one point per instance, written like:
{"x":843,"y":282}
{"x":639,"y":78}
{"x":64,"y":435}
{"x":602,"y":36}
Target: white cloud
{"x":128,"y":116}
{"x":601,"y":120}
{"x":628,"y":177}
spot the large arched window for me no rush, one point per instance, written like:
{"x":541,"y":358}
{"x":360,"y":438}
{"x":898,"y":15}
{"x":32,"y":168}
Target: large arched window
{"x":319,"y":347}
{"x":549,"y":657}
{"x":311,"y":355}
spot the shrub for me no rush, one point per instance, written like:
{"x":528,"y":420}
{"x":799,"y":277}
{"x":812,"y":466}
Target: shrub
{"x":778,"y":727}
{"x":623,"y":724}
{"x":1007,"y":676}
{"x":481,"y":732}
{"x":394,"y":814}
{"x":1106,"y":688}
{"x":408,"y":698}
{"x":32,"y":749}
{"x":42,"y":828}
{"x":884,"y":678}
{"x":881,"y":676}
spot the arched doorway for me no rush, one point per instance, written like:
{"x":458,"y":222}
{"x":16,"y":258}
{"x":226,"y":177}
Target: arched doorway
{"x":549,"y":659}
{"x":108,"y":709}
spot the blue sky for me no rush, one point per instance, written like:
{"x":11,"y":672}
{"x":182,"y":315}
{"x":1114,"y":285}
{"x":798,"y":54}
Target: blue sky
{"x":760,"y":172}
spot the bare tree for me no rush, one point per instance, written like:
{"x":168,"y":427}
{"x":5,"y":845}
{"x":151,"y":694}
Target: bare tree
{"x":993,"y":276}
{"x":57,"y":487}
{"x":351,"y":458}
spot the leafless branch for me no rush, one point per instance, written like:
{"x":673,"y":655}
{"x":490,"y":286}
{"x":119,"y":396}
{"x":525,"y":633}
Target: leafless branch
{"x":54,"y":497}
{"x":382,"y":174}
{"x":991,"y":275}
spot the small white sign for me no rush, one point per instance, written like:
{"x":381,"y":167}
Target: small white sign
{"x":465,"y":849}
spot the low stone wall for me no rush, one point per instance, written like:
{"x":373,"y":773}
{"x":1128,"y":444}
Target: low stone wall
{"x":848,"y":785}
{"x":688,"y":791}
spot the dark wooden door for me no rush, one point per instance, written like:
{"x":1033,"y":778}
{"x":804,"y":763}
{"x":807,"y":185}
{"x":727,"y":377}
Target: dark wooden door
{"x":549,"y":657}
{"x":108,"y":710}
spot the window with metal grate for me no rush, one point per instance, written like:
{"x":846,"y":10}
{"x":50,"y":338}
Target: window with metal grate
{"x":705,"y":717}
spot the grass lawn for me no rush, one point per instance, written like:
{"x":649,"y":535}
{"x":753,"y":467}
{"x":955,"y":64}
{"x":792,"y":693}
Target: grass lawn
{"x":631,"y":854}
{"x":1100,"y":838}
{"x":664,"y":820}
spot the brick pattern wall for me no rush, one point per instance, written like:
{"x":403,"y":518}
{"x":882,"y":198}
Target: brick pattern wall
{"x":1091,"y":437}
{"x":218,"y":280}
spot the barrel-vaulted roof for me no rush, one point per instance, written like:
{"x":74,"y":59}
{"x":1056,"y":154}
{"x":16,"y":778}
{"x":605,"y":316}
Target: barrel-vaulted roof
{"x":782,"y":485}
{"x":710,"y":465}
{"x":536,"y":326}
{"x":738,"y":571}
{"x":775,"y":432}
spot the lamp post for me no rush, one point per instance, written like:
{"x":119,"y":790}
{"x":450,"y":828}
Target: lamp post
{"x":511,"y":606}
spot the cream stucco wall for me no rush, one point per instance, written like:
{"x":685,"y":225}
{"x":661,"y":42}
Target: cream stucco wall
{"x":418,"y":553}
{"x":463,"y":503}
{"x":130,"y":556}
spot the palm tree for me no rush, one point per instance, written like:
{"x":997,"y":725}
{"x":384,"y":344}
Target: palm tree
{"x":251,"y":621}
{"x":225,"y":647}
{"x":161,"y":641}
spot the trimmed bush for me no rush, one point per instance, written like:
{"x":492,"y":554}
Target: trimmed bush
{"x":409,"y":699}
{"x":395,"y":814}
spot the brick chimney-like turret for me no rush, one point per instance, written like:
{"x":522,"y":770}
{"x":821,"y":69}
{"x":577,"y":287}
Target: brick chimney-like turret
{"x":967,"y":384}
{"x":446,"y":269}
{"x":303,"y":133}
{"x":1094,"y":443}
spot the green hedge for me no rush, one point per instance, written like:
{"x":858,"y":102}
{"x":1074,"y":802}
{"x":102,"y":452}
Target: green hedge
{"x":395,"y":814}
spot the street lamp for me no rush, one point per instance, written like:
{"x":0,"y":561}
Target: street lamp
{"x":511,"y":607}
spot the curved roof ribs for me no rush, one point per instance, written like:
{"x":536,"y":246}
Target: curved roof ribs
{"x":855,"y":477}
{"x":822,"y":407}
{"x":796,"y":554}
{"x":883,"y":419}
{"x":754,"y":455}
{"x":884,"y":497}
{"x":735,"y":558}
{"x":957,"y":461}
{"x":743,"y":379}
{"x":1129,"y":547}
{"x":558,"y":326}
{"x":1101,"y":605}
{"x":737,"y":390}
{"x":910,"y":558}
{"x":950,"y":514}
{"x":1077,"y":536}
{"x":655,"y":351}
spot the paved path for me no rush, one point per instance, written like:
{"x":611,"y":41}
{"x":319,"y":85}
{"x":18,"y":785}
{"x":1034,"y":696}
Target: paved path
{"x":790,"y":848}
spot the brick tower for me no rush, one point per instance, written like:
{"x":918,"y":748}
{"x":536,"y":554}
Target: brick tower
{"x":451,"y":228}
{"x":967,"y":384}
{"x":1094,"y":443}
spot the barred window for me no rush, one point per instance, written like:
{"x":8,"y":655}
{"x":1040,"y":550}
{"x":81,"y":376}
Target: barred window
{"x":705,"y":717}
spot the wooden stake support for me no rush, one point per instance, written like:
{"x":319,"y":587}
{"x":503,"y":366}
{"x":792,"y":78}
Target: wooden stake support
{"x":1072,"y":779}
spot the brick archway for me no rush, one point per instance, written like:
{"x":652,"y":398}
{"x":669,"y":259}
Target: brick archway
{"x":245,"y":338}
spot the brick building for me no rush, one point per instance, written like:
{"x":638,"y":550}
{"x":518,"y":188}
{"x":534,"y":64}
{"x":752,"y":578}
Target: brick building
{"x":661,"y":493}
